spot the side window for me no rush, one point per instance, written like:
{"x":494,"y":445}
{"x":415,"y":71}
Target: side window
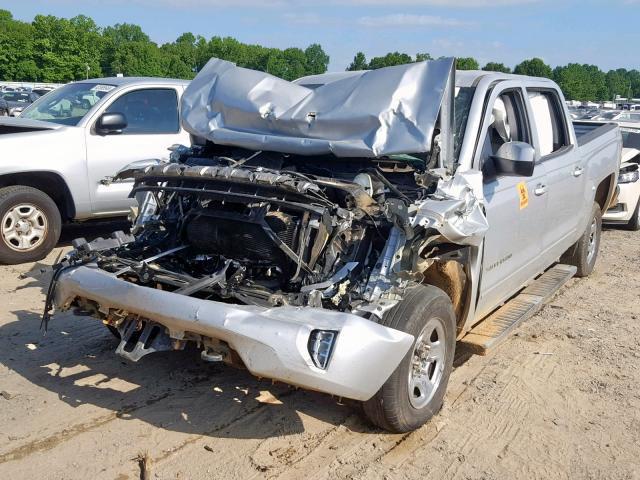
{"x":547,"y":113}
{"x":507,"y":124}
{"x":153,"y":110}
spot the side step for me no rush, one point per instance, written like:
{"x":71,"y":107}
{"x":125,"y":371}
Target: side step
{"x":494,"y":329}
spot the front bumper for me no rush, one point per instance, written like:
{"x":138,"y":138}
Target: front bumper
{"x":272,"y":342}
{"x":626,"y":204}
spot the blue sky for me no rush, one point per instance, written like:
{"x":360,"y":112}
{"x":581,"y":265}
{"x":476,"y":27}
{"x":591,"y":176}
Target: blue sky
{"x":601,"y":32}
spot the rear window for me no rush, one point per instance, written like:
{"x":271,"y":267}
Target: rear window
{"x":549,"y":120}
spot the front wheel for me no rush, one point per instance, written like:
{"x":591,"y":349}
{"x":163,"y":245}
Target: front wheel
{"x":634,"y":223}
{"x":30,"y":227}
{"x":415,"y":391}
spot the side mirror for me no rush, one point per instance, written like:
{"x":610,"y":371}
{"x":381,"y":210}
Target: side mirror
{"x":111,"y":123}
{"x":515,"y":158}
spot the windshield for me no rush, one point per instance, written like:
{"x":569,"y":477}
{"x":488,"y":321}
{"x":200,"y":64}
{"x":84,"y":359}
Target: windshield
{"x":67,"y":105}
{"x":630,"y":138}
{"x":462,"y":106}
{"x":607,"y":116}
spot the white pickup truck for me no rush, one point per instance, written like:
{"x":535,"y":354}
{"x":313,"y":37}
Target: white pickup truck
{"x":340,"y":233}
{"x":57,"y":154}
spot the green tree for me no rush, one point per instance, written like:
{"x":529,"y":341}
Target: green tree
{"x":618,"y":83}
{"x":389,"y":60}
{"x":534,"y":67}
{"x":581,"y":82}
{"x":143,"y":59}
{"x":359,"y":63}
{"x":64,"y":48}
{"x":467,"y":63}
{"x":317,"y":61}
{"x":496,"y":67}
{"x":423,"y":57}
{"x":16,"y":49}
{"x":181,"y":56}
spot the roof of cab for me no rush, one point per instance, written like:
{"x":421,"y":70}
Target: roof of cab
{"x":122,"y":81}
{"x":464,"y":78}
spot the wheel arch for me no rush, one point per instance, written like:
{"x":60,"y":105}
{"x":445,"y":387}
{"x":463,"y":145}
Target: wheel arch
{"x":452,"y":276}
{"x":50,"y":183}
{"x":605,"y":192}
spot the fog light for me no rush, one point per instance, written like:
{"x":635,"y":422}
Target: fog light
{"x":320,"y":346}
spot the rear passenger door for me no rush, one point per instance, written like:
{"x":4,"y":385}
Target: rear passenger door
{"x":565,"y":179}
{"x":514,"y":210}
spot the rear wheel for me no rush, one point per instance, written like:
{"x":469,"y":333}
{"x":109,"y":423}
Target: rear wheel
{"x":584,"y":253}
{"x":415,"y":391}
{"x":30,"y":224}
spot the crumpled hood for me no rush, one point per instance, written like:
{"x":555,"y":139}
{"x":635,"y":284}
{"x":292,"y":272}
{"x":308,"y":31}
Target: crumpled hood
{"x":18,"y":125}
{"x":381,"y":112}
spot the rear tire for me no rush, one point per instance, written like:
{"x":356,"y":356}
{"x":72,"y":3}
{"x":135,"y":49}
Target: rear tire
{"x":30,"y":224}
{"x":584,"y":253}
{"x":415,"y":391}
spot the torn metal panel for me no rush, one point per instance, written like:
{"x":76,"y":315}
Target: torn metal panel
{"x":372,"y":114}
{"x":456,"y":209}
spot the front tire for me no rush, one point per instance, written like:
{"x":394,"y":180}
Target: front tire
{"x":634,"y":223}
{"x":584,"y":253}
{"x":415,"y":391}
{"x":30,"y":227}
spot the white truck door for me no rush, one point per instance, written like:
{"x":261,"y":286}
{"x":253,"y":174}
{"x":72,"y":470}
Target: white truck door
{"x":153,"y":125}
{"x":515,"y":205}
{"x":564,"y":166}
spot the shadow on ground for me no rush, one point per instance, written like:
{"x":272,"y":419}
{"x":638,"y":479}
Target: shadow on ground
{"x":172,"y":390}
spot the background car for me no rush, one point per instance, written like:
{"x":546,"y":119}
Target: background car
{"x":17,"y":101}
{"x":42,"y":91}
{"x":4,"y":107}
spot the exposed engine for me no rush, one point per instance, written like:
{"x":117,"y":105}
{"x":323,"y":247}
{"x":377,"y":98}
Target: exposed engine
{"x":269,"y":229}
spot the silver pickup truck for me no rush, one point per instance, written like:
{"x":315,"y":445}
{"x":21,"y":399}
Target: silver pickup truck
{"x":57,"y":154}
{"x":347,"y":232}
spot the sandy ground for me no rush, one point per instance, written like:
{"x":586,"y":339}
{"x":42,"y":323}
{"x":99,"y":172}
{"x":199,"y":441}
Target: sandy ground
{"x":559,"y":399}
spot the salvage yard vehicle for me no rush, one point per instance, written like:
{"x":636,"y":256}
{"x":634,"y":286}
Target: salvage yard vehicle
{"x":17,"y":101}
{"x":626,"y":208}
{"x":57,"y":155}
{"x":340,"y":233}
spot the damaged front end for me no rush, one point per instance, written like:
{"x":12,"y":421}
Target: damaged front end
{"x":277,"y":262}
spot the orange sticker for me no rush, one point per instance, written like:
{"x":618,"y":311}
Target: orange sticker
{"x":523,"y":194}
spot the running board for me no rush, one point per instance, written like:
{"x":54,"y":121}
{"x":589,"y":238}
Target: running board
{"x":494,"y":329}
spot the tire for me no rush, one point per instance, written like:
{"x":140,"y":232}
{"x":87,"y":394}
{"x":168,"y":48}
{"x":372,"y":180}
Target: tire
{"x":399,"y":406}
{"x":30,"y":227}
{"x":584,"y":253}
{"x":634,"y":223}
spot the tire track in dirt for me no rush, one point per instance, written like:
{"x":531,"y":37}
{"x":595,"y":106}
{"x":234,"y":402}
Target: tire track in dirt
{"x":512,"y":414}
{"x":52,"y":441}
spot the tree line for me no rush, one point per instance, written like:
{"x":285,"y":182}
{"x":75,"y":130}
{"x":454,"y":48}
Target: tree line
{"x":53,"y":49}
{"x":577,"y":81}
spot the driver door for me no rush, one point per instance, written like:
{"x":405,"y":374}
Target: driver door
{"x":153,"y":125}
{"x":515,"y":205}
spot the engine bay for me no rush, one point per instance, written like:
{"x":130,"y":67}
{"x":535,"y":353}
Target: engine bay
{"x":266,"y":229}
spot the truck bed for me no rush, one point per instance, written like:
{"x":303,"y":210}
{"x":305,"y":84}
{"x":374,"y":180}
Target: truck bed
{"x":586,"y":131}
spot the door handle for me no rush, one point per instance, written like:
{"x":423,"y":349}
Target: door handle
{"x":540,"y":189}
{"x":578,"y":171}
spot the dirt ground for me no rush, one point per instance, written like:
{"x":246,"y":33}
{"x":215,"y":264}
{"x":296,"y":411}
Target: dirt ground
{"x":559,"y":399}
